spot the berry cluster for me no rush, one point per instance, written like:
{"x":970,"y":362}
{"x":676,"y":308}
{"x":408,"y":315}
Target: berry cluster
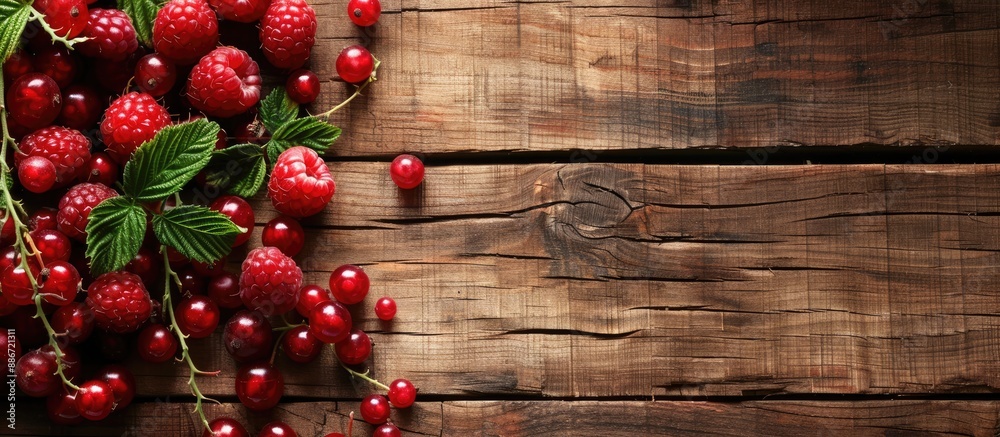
{"x":135,"y":253}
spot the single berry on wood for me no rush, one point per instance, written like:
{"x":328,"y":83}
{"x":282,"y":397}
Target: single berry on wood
{"x":349,"y":284}
{"x":355,"y":349}
{"x":375,"y":409}
{"x":355,"y":64}
{"x":385,"y":308}
{"x":407,"y":171}
{"x":330,"y":322}
{"x":224,"y":83}
{"x":285,"y":233}
{"x":95,"y":400}
{"x":300,"y":184}
{"x":34,"y":101}
{"x":364,"y":12}
{"x":185,"y":30}
{"x":288,"y":32}
{"x":110,"y":34}
{"x":247,"y":336}
{"x":225,"y":427}
{"x":302,"y":86}
{"x":402,"y":393}
{"x":387,"y":430}
{"x":259,"y":386}
{"x":157,"y":344}
{"x":239,"y":211}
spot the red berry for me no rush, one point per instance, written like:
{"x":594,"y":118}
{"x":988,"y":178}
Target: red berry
{"x":247,"y":336}
{"x":349,"y":284}
{"x":155,"y":74}
{"x":7,"y":230}
{"x":101,"y":169}
{"x":407,"y":171}
{"x":243,"y":11}
{"x":37,"y":174}
{"x":259,"y":386}
{"x":185,"y":30}
{"x":300,"y":183}
{"x":57,"y":63}
{"x":302,"y":86}
{"x":239,"y":211}
{"x":387,"y":430}
{"x":122,"y":383}
{"x":277,"y":429}
{"x":52,"y":244}
{"x":81,"y":107}
{"x":355,"y":349}
{"x":131,"y":120}
{"x":35,"y":374}
{"x":75,"y":207}
{"x":364,"y":12}
{"x":67,"y":17}
{"x":73,"y":322}
{"x":402,"y":393}
{"x":146,"y":265}
{"x":285,"y":233}
{"x":309,"y":296}
{"x":192,"y":283}
{"x":355,"y":64}
{"x":270,"y":281}
{"x":95,"y":400}
{"x":226,"y":82}
{"x":288,"y":32}
{"x":16,"y":285}
{"x":62,"y":283}
{"x":42,"y":219}
{"x":224,"y":289}
{"x":300,"y":345}
{"x":375,"y":409}
{"x":157,"y":344}
{"x":17,"y":65}
{"x":34,"y":101}
{"x":385,"y":308}
{"x":225,"y":427}
{"x":68,"y":149}
{"x":197,"y":316}
{"x":61,"y":408}
{"x":120,"y":302}
{"x":330,"y":322}
{"x":111,"y":34}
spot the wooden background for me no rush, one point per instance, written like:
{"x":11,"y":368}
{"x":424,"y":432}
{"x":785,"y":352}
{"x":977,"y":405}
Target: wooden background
{"x":578,"y":262}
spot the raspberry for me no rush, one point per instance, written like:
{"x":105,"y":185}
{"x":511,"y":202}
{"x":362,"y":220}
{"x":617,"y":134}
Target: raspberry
{"x":119,"y":301}
{"x":185,"y":30}
{"x":270,"y":281}
{"x":243,"y":11}
{"x":226,"y":82}
{"x":111,"y":34}
{"x":287,"y":33}
{"x":67,"y":148}
{"x":300,"y":183}
{"x":131,"y":120}
{"x":75,"y":207}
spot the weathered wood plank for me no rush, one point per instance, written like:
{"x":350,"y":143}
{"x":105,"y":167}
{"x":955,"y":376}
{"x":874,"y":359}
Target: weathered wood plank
{"x":474,"y":75}
{"x":638,"y":280}
{"x":565,"y":418}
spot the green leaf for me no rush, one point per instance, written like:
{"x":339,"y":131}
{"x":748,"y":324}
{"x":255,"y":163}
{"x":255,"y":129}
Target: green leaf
{"x":115,"y":231}
{"x":13,"y":18}
{"x":161,"y":166}
{"x":143,"y":14}
{"x":311,"y":132}
{"x":238,"y":169}
{"x":277,"y":109}
{"x":197,"y":232}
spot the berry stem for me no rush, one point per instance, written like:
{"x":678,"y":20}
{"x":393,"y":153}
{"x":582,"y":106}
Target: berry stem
{"x":364,"y":376}
{"x":357,"y":91}
{"x":185,"y":355}
{"x":40,"y":18}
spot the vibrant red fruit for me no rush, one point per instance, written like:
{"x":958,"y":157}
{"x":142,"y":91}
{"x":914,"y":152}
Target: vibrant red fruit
{"x":225,"y":427}
{"x":36,"y":174}
{"x":157,"y":344}
{"x":330,"y":322}
{"x":95,"y":400}
{"x":73,"y":322}
{"x":243,"y":11}
{"x":309,"y":296}
{"x":192,"y":283}
{"x":355,"y":349}
{"x":288,"y":32}
{"x":34,"y":101}
{"x":131,"y":120}
{"x":68,"y":149}
{"x":111,"y":35}
{"x":387,"y":430}
{"x":17,"y":65}
{"x":67,"y":17}
{"x":302,"y":86}
{"x":120,"y":302}
{"x":62,"y":283}
{"x":155,"y":74}
{"x":259,"y":386}
{"x":35,"y":374}
{"x":224,"y":289}
{"x":43,"y":219}
{"x":402,"y":393}
{"x":349,"y":284}
{"x":364,"y":12}
{"x":300,"y":183}
{"x":197,"y":316}
{"x":355,"y":64}
{"x":407,"y":171}
{"x":247,"y":336}
{"x":146,"y":265}
{"x":300,"y":345}
{"x":15,"y":283}
{"x":385,"y":308}
{"x":239,"y":211}
{"x":75,"y":207}
{"x":285,"y":233}
{"x":56,"y":62}
{"x":270,"y":281}
{"x":52,"y":245}
{"x":61,"y":408}
{"x":101,"y":169}
{"x":81,"y":107}
{"x":277,"y":429}
{"x":226,"y":82}
{"x":122,"y":383}
{"x":185,"y":30}
{"x":375,"y":409}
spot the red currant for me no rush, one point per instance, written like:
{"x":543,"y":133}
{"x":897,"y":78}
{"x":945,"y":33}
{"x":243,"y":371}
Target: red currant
{"x":330,"y":322}
{"x":53,"y":245}
{"x":34,"y":101}
{"x":277,"y":429}
{"x":311,"y":295}
{"x":375,"y":409}
{"x":37,"y":174}
{"x":385,"y":308}
{"x":302,"y":86}
{"x":407,"y":171}
{"x":387,"y":430}
{"x":157,"y":344}
{"x":225,"y":427}
{"x":62,"y":283}
{"x":35,"y":374}
{"x":95,"y":400}
{"x":355,"y":349}
{"x":145,"y":265}
{"x":349,"y":284}
{"x":224,"y":289}
{"x":61,"y":408}
{"x":259,"y":386}
{"x":17,"y":65}
{"x":364,"y":12}
{"x":81,"y":108}
{"x":73,"y":322}
{"x":285,"y":233}
{"x":122,"y":383}
{"x":102,"y":169}
{"x":300,"y":345}
{"x":402,"y":393}
{"x":57,"y":63}
{"x":247,"y":336}
{"x":197,"y":316}
{"x":155,"y":74}
{"x":355,"y":64}
{"x":67,"y":17}
{"x":239,"y":211}
{"x":16,"y":285}
{"x":191,"y":282}
{"x":43,"y":218}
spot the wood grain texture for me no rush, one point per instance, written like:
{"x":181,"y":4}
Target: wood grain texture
{"x":475,"y":75}
{"x":576,"y":418}
{"x":637,"y":280}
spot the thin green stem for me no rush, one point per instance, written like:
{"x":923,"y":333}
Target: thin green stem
{"x":40,"y":18}
{"x":357,"y":91}
{"x":365,"y":377}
